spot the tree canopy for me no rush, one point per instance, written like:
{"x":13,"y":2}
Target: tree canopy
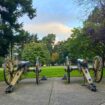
{"x":85,"y":42}
{"x":10,"y":12}
{"x":49,"y":40}
{"x":33,"y":50}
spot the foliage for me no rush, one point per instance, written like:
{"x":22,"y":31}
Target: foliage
{"x":62,"y":50}
{"x":1,"y":61}
{"x":92,"y":3}
{"x":94,"y":27}
{"x":54,"y":57}
{"x":77,"y":46}
{"x":10,"y":11}
{"x":23,"y":38}
{"x":33,"y":50}
{"x":49,"y":41}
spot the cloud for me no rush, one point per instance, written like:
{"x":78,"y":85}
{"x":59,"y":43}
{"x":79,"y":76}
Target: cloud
{"x":53,"y":16}
{"x":62,"y":31}
{"x":65,"y":12}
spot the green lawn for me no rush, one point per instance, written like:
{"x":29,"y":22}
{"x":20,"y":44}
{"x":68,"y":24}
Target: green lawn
{"x":1,"y":74}
{"x":53,"y":71}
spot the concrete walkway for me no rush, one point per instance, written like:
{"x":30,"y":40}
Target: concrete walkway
{"x":54,"y":91}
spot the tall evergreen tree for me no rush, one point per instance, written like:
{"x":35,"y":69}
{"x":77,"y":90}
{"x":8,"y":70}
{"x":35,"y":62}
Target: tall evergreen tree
{"x":10,"y":12}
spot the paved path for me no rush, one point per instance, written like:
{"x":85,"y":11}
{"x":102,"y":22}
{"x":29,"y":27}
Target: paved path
{"x":52,"y":92}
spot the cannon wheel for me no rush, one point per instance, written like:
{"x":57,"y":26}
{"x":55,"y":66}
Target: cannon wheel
{"x":8,"y":72}
{"x":98,"y":69}
{"x":37,"y":76}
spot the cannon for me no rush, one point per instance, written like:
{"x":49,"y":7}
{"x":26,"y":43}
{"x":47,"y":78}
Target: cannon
{"x":13,"y":70}
{"x":83,"y":67}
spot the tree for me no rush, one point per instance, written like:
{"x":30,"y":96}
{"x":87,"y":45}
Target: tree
{"x":22,"y":38}
{"x":49,"y":40}
{"x":54,"y":57}
{"x":79,"y":45}
{"x":94,"y":27}
{"x":62,"y":50}
{"x":92,"y":2}
{"x":34,"y":37}
{"x":10,"y":11}
{"x":33,"y":50}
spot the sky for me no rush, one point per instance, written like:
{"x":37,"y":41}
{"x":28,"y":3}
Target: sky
{"x":55,"y":16}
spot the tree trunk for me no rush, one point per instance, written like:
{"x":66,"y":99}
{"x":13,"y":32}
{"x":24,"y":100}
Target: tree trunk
{"x":103,"y":61}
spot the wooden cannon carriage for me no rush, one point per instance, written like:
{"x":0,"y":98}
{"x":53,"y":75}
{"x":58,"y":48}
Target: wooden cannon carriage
{"x":84,"y":68}
{"x":13,"y":71}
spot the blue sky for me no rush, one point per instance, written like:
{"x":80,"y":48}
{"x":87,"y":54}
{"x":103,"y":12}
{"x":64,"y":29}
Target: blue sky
{"x":55,"y":16}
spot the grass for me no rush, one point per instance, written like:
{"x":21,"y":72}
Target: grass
{"x":1,"y":74}
{"x":52,"y":71}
